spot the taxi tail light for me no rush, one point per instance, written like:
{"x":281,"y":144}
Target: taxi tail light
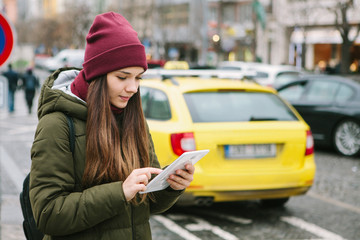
{"x":309,"y":143}
{"x":182,"y":142}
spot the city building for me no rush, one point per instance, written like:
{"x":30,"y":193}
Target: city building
{"x":10,"y":7}
{"x":314,"y":31}
{"x":202,"y":31}
{"x":298,"y":32}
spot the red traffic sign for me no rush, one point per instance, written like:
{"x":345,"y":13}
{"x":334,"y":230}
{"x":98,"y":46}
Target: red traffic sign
{"x":6,"y":39}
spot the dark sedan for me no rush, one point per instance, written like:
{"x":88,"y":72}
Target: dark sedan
{"x":331,"y":107}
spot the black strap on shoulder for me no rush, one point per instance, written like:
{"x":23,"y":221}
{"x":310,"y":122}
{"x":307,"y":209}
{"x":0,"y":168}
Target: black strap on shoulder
{"x":71,"y":133}
{"x":72,"y":143}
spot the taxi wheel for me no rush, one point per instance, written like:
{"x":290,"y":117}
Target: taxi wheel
{"x":277,"y":202}
{"x":346,"y":138}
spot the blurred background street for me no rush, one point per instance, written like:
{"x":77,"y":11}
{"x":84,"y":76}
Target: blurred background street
{"x":272,"y":43}
{"x":321,"y":36}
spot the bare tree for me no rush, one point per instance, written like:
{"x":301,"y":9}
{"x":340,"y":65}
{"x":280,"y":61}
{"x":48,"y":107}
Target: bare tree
{"x":37,"y":32}
{"x":46,"y":33}
{"x":303,"y":13}
{"x":66,"y":30}
{"x":343,"y":25}
{"x":75,"y":24}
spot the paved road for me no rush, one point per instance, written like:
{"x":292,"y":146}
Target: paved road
{"x":331,"y":210}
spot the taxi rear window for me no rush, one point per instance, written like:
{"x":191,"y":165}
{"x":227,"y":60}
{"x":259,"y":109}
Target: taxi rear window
{"x":237,"y":106}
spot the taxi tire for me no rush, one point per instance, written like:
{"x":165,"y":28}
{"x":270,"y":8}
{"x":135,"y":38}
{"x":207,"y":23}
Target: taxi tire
{"x":272,"y":203}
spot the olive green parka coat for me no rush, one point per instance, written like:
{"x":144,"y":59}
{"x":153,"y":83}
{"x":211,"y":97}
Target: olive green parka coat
{"x":62,"y":209}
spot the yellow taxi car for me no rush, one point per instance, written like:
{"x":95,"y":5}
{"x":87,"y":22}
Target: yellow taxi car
{"x":260,"y":147}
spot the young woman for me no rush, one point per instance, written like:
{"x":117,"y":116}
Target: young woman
{"x":92,"y":193}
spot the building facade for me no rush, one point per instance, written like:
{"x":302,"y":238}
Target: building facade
{"x":314,"y":28}
{"x":298,"y":32}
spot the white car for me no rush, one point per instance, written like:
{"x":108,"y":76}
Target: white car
{"x":65,"y":58}
{"x":265,"y":74}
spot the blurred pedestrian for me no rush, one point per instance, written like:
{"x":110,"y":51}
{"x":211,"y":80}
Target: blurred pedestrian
{"x":30,"y":83}
{"x":13,"y":78}
{"x":94,"y":194}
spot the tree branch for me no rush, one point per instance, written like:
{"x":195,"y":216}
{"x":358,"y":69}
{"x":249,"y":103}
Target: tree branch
{"x":337,"y":24}
{"x":357,"y":33}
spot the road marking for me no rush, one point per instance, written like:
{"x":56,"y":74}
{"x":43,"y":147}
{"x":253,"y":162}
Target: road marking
{"x":223,"y":216}
{"x":22,"y":130}
{"x":17,"y":128}
{"x":11,"y":210}
{"x":7,"y":124}
{"x":12,"y":170}
{"x":312,"y":228}
{"x":202,"y":225}
{"x":172,"y":226}
{"x":22,"y":138}
{"x":334,"y":202}
{"x":12,"y":232}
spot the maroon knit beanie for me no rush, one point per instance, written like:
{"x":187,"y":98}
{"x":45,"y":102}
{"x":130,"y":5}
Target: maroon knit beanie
{"x":112,"y":44}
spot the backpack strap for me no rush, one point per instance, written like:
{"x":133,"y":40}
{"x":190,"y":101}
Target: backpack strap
{"x":72,"y":146}
{"x":71,"y":133}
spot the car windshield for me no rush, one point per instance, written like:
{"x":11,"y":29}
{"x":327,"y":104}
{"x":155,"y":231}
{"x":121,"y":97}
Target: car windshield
{"x":237,"y":106}
{"x":285,"y":77}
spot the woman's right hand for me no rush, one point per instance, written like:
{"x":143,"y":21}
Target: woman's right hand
{"x":137,"y":181}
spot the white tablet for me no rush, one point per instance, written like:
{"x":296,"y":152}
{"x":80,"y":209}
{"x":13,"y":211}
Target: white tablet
{"x":160,"y":183}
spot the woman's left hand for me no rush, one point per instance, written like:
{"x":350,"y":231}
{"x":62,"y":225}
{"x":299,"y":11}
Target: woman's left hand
{"x":182,"y":178}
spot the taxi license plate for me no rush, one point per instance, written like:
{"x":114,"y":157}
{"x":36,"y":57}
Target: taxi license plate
{"x":250,"y":151}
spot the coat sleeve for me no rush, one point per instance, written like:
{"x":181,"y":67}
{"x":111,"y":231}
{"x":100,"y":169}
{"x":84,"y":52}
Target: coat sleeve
{"x":58,"y":210}
{"x":165,"y":199}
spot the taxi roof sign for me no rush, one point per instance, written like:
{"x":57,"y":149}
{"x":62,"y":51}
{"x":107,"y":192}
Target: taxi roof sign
{"x":6,"y":39}
{"x":176,"y":65}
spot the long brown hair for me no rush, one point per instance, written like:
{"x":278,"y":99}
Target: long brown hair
{"x":112,"y":153}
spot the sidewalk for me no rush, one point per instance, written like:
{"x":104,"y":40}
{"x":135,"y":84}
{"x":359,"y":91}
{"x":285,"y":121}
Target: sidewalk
{"x":10,"y":211}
